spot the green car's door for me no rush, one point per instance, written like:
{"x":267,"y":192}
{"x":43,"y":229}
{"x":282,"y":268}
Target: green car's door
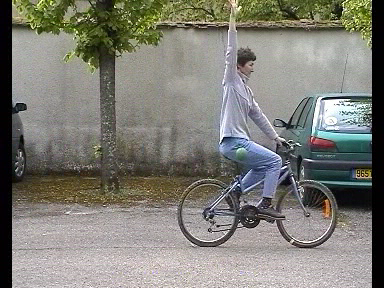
{"x":298,"y":130}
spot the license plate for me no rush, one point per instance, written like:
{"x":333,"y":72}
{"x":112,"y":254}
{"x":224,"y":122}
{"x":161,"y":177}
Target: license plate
{"x":363,"y":173}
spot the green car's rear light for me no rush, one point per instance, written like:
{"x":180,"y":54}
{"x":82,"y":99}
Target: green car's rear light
{"x":321,"y":144}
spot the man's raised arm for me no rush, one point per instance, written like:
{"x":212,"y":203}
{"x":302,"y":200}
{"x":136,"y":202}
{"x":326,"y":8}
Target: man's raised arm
{"x":231,"y":55}
{"x":232,"y":17}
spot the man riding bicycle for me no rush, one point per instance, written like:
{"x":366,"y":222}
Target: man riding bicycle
{"x":239,"y":104}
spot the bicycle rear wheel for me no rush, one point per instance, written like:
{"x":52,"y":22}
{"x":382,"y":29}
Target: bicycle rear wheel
{"x":308,"y":231}
{"x":202,"y":228}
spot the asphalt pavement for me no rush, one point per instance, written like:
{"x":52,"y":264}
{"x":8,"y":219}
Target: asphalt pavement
{"x":70,"y":245}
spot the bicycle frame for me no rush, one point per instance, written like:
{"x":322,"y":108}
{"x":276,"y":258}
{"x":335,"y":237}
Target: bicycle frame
{"x":285,"y":171}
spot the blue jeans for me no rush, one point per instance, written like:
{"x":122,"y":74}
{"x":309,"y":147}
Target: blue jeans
{"x":261,"y":162}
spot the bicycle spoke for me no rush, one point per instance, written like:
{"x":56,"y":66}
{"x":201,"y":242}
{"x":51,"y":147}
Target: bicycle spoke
{"x":200,"y":224}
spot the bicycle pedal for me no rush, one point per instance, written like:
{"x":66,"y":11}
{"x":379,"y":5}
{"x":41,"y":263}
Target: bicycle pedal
{"x":270,"y":220}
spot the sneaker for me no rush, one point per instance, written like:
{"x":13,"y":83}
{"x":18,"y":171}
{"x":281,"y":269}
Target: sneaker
{"x":270,"y":213}
{"x":236,"y":193}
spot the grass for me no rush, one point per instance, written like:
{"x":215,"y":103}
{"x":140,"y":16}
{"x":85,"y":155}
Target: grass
{"x":86,"y":190}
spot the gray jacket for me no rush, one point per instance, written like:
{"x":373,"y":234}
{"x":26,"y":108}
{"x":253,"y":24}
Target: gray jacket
{"x":238,"y":102}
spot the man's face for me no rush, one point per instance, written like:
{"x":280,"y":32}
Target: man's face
{"x":247,"y":69}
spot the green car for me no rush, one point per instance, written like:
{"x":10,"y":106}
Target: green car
{"x":335,"y":131}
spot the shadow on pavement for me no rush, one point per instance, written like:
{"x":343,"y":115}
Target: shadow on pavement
{"x":354,"y":198}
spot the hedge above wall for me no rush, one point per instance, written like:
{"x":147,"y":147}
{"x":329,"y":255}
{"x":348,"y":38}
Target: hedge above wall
{"x":300,"y":24}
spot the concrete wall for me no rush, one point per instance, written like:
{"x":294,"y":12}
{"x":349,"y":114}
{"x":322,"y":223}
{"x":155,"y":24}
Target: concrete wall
{"x":168,"y":97}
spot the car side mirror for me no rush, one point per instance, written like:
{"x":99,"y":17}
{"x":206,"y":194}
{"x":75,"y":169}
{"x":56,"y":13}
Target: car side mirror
{"x":279,"y":123}
{"x":19,"y":107}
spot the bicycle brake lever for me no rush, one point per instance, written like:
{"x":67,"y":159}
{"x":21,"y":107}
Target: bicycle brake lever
{"x":286,"y":144}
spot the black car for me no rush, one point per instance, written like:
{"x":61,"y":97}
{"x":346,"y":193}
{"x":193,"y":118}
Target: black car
{"x":19,"y":158}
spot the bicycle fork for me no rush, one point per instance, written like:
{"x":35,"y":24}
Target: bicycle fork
{"x":296,"y":192}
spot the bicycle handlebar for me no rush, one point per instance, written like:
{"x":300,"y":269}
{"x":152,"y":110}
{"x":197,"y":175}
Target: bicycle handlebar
{"x":290,"y":145}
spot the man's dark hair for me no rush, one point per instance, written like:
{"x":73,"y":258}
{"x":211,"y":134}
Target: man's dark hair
{"x":244,"y":55}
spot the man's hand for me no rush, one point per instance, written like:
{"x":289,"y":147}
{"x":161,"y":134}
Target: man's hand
{"x":279,"y":141}
{"x":234,"y":6}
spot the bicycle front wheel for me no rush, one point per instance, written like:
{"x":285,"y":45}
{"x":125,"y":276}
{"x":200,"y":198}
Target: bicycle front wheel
{"x":313,"y":229}
{"x":201,"y":227}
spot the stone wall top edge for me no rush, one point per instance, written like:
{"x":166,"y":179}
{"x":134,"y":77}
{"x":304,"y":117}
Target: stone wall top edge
{"x":283,"y":24}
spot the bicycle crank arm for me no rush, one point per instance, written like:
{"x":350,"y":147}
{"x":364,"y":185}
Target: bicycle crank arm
{"x":210,"y":230}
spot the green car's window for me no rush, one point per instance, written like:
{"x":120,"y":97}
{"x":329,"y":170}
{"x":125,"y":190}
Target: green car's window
{"x":346,"y":115}
{"x":304,"y":114}
{"x":296,"y":115}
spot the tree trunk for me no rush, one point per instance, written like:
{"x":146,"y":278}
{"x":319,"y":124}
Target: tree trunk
{"x":109,"y":167}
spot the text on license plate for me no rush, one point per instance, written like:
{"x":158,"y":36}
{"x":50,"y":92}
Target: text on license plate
{"x":362,"y":173}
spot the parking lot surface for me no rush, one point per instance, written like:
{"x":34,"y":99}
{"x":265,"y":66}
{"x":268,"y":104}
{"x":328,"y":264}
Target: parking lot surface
{"x":69,"y":245}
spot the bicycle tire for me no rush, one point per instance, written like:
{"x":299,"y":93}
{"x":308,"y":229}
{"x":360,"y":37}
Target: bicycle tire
{"x":201,"y":231}
{"x":300,"y":230}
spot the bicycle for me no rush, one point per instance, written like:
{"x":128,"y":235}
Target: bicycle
{"x":207,"y":218}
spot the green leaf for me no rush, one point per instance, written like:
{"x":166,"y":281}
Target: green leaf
{"x":122,"y":29}
{"x":68,"y":56}
{"x":357,"y":16}
{"x":39,"y":30}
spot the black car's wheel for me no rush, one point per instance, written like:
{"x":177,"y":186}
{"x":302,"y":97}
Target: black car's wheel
{"x":301,"y":172}
{"x":20,"y":164}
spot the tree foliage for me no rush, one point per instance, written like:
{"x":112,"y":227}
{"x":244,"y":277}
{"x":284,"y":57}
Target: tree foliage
{"x":122,"y":29}
{"x":102,"y":29}
{"x":357,"y":16}
{"x":217,"y":10}
{"x":195,"y":10}
{"x":290,"y":9}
